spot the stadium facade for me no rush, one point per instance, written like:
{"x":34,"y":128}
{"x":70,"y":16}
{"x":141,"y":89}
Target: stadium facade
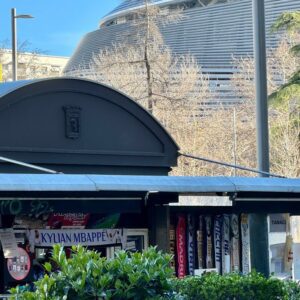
{"x":213,"y":31}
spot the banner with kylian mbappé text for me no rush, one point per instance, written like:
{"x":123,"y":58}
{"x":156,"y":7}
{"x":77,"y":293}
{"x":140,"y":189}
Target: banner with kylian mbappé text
{"x":70,"y":237}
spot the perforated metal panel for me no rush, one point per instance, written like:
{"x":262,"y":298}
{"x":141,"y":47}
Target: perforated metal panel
{"x":214,"y":34}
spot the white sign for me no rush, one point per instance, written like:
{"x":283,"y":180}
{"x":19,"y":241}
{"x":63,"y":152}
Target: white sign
{"x":71,"y":237}
{"x":277,"y":223}
{"x":9,"y":243}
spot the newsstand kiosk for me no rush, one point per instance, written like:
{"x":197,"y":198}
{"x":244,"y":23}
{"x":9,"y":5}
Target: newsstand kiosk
{"x":69,"y":127}
{"x":83,"y":163}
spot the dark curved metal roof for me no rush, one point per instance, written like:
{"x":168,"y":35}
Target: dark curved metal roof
{"x":113,"y":130}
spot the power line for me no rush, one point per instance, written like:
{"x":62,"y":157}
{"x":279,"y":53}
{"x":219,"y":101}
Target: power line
{"x":230,"y":165}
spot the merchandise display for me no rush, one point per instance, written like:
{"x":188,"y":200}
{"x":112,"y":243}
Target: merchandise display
{"x":215,"y":242}
{"x":181,"y":247}
{"x":191,"y":244}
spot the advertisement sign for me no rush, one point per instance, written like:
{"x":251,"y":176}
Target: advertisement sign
{"x":19,"y":266}
{"x":71,"y":220}
{"x":70,"y":237}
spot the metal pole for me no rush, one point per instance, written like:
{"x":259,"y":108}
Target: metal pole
{"x":259,"y":242}
{"x":14,"y":45}
{"x":234,"y":139}
{"x":261,"y":86}
{"x":31,"y":166}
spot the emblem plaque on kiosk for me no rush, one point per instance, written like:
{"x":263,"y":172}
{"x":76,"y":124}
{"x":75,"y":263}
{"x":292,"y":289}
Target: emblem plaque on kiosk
{"x":19,"y":267}
{"x":72,"y":121}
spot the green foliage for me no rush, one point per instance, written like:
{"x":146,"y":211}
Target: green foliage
{"x":236,"y":287}
{"x":288,"y":91}
{"x":292,"y":289}
{"x":140,"y":276}
{"x":289,"y":21}
{"x":87,"y":276}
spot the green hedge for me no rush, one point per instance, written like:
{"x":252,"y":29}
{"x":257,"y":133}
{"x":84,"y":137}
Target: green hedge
{"x":88,"y":276}
{"x":236,"y":287}
{"x":147,"y":275}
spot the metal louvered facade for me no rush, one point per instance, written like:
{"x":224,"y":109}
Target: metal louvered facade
{"x":213,"y":34}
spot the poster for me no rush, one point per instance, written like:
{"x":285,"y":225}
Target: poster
{"x":70,"y":237}
{"x":9,"y":243}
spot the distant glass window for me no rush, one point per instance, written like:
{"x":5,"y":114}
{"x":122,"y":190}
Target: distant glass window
{"x":112,"y":22}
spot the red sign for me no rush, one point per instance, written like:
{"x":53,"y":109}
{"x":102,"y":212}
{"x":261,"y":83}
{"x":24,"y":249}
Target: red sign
{"x":181,"y":246}
{"x":19,"y":267}
{"x":71,"y":220}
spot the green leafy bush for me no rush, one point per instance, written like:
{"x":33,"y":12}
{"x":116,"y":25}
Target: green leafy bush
{"x":292,"y":289}
{"x":140,"y":276}
{"x":87,"y":276}
{"x":234,"y":286}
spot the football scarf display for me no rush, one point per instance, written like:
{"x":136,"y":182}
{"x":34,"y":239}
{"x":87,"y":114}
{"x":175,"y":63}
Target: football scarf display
{"x":218,"y":242}
{"x":226,"y":244}
{"x":172,"y":246}
{"x":235,"y":244}
{"x":191,"y":244}
{"x":245,"y":234}
{"x":200,"y":243}
{"x":181,"y":246}
{"x":208,"y":226}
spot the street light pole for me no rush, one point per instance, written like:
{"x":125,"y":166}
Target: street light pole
{"x":14,"y":18}
{"x":259,"y":243}
{"x":14,"y":44}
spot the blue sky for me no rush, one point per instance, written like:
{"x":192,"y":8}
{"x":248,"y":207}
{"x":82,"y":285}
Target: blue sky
{"x":57,"y":26}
